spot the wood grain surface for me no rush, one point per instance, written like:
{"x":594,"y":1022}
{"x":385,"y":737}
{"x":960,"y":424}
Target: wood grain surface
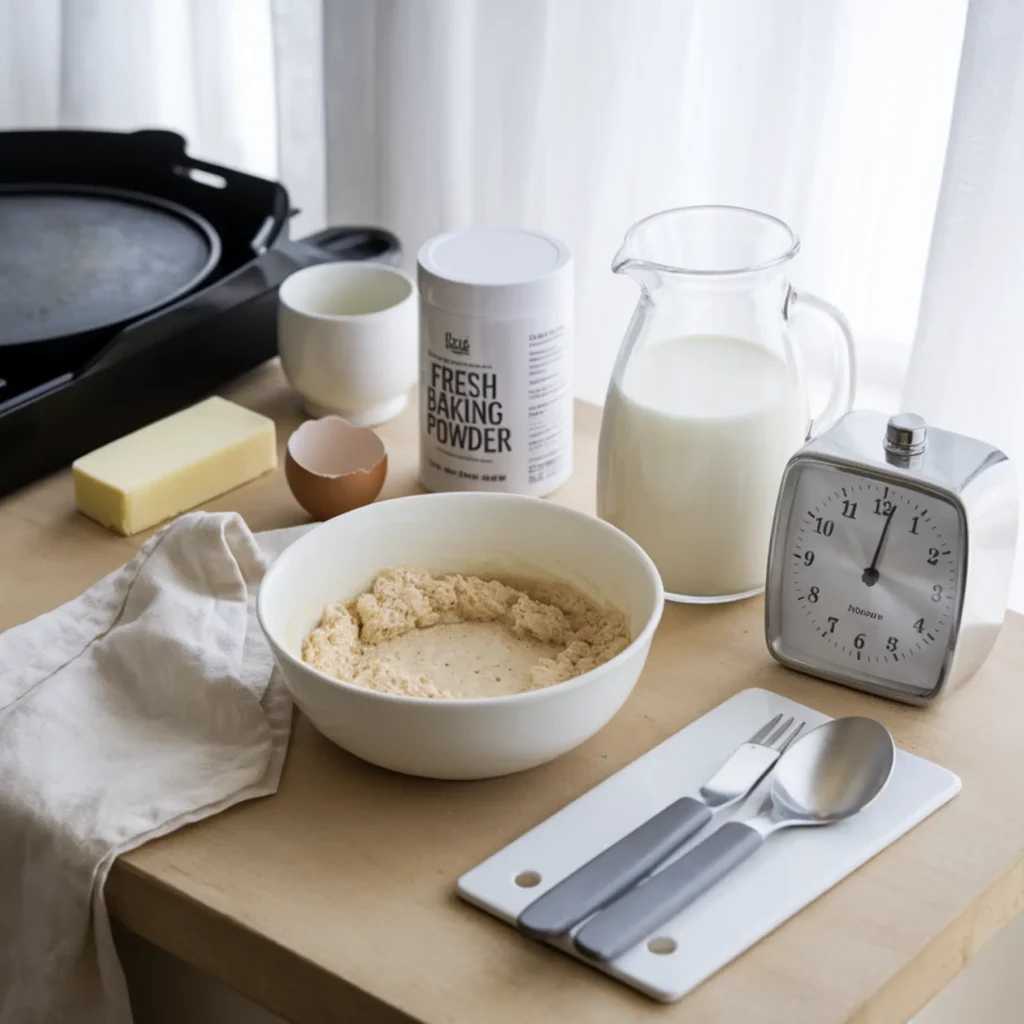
{"x":334,"y":899}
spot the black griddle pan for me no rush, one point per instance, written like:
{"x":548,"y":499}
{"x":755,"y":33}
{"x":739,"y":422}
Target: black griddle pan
{"x":74,"y":259}
{"x":134,"y":280}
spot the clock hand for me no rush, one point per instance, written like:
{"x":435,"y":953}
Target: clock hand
{"x":870,"y":575}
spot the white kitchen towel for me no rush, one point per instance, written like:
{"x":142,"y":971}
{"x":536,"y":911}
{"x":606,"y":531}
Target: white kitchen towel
{"x":149,"y":702}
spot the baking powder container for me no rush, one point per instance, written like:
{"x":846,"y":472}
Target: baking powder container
{"x":496,"y":397}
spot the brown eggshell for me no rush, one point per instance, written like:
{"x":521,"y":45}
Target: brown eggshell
{"x":333,"y":467}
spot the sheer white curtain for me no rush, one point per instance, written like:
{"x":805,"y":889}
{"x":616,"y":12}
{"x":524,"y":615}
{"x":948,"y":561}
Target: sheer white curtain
{"x":576,"y":116}
{"x":580,"y":116}
{"x":967,"y":368}
{"x":202,"y":67}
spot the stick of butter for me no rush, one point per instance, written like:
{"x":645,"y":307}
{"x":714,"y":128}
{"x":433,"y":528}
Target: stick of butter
{"x":173,"y":465}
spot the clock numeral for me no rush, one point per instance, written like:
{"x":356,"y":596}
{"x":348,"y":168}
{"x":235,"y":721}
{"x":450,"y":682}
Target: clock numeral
{"x":919,"y":625}
{"x":850,"y":509}
{"x":933,"y":556}
{"x":813,"y":595}
{"x":883,"y":508}
{"x":913,"y":524}
{"x":824,"y":526}
{"x":858,"y":641}
{"x":891,"y":644}
{"x":808,"y":558}
{"x":832,"y":623}
{"x":937,"y":593}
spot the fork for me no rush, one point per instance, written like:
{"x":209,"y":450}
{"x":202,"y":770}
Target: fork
{"x":609,"y":874}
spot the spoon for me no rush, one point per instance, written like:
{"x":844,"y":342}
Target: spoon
{"x":830,"y":773}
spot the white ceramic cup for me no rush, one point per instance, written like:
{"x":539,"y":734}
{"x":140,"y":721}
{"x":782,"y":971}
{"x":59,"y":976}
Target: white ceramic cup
{"x":348,"y":336}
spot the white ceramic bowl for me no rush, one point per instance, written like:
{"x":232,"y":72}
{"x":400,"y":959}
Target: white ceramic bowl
{"x":464,"y":532}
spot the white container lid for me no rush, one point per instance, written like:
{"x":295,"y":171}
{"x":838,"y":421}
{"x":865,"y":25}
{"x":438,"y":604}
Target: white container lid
{"x":495,"y":272}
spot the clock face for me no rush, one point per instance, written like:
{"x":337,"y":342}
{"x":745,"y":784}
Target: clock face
{"x":868,"y":580}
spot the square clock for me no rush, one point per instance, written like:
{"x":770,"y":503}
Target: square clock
{"x":891,"y":556}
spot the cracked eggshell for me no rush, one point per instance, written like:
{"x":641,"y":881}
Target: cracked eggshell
{"x":333,"y":467}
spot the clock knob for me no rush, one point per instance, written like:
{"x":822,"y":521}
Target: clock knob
{"x":906,"y":434}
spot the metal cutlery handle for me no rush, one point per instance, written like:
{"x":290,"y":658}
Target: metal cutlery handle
{"x":611,"y":872}
{"x":643,"y":910}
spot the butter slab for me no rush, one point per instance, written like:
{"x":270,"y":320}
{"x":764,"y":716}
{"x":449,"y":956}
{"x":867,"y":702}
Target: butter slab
{"x":173,"y":465}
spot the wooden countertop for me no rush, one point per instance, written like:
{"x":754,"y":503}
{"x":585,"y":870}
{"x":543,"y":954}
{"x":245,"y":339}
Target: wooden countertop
{"x":333,"y":900}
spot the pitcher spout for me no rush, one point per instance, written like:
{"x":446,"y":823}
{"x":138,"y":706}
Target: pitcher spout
{"x":624,"y":259}
{"x":644,"y":272}
{"x":705,"y":242}
{"x":632,"y":258}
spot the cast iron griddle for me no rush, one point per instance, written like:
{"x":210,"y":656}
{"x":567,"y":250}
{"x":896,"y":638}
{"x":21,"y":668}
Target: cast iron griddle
{"x":77,"y":258}
{"x":134,"y":281}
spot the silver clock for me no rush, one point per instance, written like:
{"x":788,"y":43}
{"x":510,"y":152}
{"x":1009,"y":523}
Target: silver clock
{"x":891,"y":556}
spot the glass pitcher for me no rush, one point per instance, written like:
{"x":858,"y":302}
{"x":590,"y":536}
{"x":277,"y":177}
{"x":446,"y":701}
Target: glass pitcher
{"x":708,"y":399}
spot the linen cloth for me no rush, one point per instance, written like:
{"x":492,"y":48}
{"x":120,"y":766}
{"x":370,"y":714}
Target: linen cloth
{"x":149,"y":702}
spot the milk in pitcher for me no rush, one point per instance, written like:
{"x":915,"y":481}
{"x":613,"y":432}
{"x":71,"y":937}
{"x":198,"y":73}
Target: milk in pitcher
{"x":694,"y":440}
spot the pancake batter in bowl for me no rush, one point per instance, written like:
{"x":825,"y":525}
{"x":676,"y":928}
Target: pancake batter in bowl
{"x":421,"y":635}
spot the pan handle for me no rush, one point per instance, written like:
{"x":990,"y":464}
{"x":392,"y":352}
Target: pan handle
{"x":158,"y":145}
{"x":202,"y":173}
{"x":357,"y":243}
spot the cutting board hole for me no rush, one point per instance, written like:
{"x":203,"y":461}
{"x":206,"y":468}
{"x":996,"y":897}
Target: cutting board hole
{"x":527,"y":879}
{"x":662,"y":945}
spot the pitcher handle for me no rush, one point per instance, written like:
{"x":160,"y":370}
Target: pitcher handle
{"x":840,"y":401}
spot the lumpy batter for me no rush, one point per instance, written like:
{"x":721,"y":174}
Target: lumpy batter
{"x":421,"y":635}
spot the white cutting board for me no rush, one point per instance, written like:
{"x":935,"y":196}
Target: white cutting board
{"x":794,"y":866}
